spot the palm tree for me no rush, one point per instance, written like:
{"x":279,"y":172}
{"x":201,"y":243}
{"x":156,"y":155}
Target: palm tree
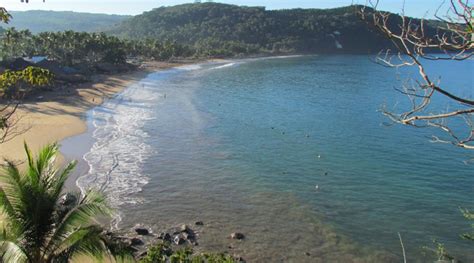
{"x":38,"y":222}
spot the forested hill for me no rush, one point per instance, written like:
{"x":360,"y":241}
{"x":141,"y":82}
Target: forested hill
{"x":42,"y":21}
{"x":237,"y":29}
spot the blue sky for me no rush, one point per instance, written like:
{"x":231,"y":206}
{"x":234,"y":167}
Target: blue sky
{"x":417,"y":8}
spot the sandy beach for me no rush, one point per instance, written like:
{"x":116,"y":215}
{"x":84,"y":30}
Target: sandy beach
{"x":55,"y":115}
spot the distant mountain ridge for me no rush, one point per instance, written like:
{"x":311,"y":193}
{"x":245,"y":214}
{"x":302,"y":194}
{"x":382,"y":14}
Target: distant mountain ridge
{"x":213,"y":26}
{"x":41,"y":21}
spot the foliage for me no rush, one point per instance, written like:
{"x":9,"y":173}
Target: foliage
{"x":38,"y":223}
{"x":215,"y":29}
{"x":470,"y":217}
{"x":13,"y":84}
{"x":4,"y":15}
{"x":440,"y":251}
{"x":9,"y":83}
{"x":72,"y":48}
{"x":162,"y":253}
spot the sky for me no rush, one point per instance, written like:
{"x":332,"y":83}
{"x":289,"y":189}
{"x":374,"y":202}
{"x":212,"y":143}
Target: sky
{"x":415,"y":8}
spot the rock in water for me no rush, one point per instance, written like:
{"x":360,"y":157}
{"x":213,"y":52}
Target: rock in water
{"x":185,"y":228}
{"x":165,"y":237}
{"x":179,"y":239}
{"x":199,"y":223}
{"x":136,"y":242}
{"x":237,"y":235}
{"x":68,"y":199}
{"x":142,"y":231}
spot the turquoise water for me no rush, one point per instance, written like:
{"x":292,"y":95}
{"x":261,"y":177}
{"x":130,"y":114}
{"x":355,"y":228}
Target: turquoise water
{"x":291,"y":151}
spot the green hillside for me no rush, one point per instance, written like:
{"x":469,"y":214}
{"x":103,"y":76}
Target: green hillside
{"x":239,"y":29}
{"x":42,"y":21}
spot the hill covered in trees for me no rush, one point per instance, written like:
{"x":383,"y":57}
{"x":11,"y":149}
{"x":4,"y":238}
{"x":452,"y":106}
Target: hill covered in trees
{"x":214,"y":29}
{"x":43,"y":21}
{"x":222,"y":29}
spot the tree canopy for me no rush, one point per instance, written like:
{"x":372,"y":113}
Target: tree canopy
{"x":229,"y":29}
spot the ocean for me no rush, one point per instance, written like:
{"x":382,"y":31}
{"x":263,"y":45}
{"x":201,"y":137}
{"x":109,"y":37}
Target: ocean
{"x":291,"y":151}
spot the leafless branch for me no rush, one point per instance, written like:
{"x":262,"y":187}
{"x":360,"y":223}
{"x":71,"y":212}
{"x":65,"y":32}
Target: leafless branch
{"x":450,"y":37}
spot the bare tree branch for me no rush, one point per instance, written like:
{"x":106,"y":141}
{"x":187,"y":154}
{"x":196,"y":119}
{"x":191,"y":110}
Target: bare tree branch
{"x":416,"y":43}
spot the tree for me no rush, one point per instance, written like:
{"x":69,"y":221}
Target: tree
{"x":12,"y":83}
{"x":38,"y":222}
{"x":4,"y":15}
{"x":453,"y":40}
{"x":13,"y":87}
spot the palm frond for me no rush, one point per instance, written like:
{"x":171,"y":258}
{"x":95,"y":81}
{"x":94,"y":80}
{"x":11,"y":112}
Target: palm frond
{"x":12,"y":253}
{"x":35,"y":225}
{"x":84,"y":241}
{"x":57,"y":183}
{"x":11,"y":190}
{"x":45,"y":165}
{"x":92,"y":205}
{"x":32,"y":172}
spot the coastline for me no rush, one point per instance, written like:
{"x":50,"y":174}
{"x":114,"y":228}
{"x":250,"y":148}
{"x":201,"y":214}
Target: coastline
{"x":56,"y":115}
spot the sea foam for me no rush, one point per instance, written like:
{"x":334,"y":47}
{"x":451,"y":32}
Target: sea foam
{"x":120,"y":149}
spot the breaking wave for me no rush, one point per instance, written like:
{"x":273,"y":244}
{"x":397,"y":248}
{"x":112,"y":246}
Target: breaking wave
{"x":120,"y":149}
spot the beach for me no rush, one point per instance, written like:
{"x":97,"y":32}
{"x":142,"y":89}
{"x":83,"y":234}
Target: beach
{"x":52,"y":116}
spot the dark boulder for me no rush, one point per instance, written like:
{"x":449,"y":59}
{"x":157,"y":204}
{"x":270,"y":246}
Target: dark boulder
{"x":165,"y":237}
{"x":136,"y":241}
{"x":239,"y":259}
{"x":142,"y":231}
{"x":68,"y":200}
{"x":237,"y":236}
{"x":179,"y":239}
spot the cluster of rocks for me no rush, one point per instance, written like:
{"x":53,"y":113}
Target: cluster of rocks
{"x":142,"y":237}
{"x":179,"y":236}
{"x":182,"y":236}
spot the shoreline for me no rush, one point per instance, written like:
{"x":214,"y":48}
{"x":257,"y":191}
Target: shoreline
{"x":54,"y":116}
